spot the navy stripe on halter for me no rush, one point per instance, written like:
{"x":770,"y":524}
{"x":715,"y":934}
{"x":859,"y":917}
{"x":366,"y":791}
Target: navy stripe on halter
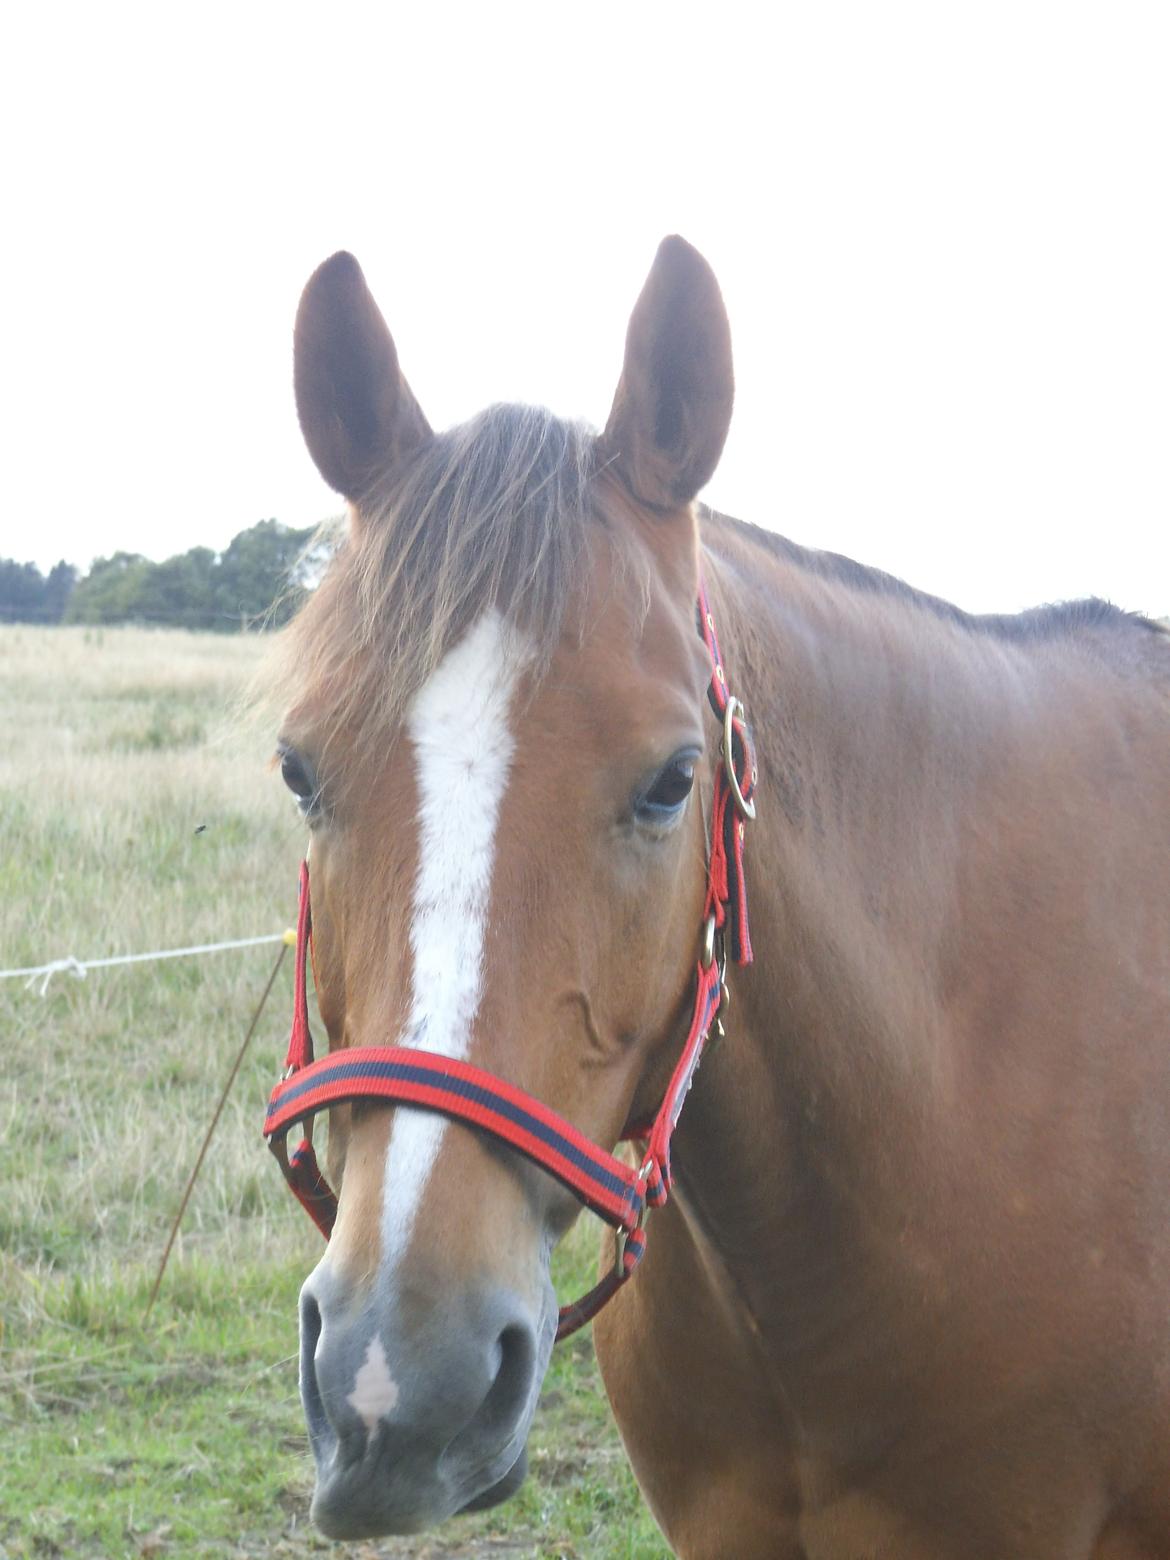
{"x":341,"y":1071}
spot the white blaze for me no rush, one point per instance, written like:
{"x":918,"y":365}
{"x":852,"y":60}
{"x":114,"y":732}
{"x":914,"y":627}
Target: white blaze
{"x":458,"y":725}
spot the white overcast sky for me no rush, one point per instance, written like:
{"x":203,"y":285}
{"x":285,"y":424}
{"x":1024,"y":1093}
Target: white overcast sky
{"x":942,"y":231}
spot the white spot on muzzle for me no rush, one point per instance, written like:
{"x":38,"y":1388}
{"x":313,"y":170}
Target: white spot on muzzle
{"x":458,"y":725}
{"x":375,"y":1391}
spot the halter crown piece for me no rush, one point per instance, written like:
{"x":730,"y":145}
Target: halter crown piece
{"x":402,"y":1075}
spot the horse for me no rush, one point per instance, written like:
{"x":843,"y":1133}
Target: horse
{"x":910,"y":1293}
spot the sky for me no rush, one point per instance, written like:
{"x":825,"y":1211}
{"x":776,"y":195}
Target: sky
{"x":942,"y":234}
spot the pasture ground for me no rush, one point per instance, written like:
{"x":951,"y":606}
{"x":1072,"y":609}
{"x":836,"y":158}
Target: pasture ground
{"x":136,"y":813}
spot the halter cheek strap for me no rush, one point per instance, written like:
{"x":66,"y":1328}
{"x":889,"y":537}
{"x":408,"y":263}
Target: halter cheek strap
{"x":402,"y":1075}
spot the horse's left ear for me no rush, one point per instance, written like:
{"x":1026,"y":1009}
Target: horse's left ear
{"x":673,"y":404}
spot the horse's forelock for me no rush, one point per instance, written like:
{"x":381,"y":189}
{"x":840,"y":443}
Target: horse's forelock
{"x":491,"y":515}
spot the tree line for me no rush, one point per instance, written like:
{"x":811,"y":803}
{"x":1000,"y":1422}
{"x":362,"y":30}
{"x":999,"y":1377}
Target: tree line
{"x":257,"y":581}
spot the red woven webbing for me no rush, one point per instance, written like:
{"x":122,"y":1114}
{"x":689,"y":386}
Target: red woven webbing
{"x":300,"y":1040}
{"x":423,"y":1080}
{"x":404,"y":1075}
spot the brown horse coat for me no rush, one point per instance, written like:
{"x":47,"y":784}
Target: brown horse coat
{"x":912,"y":1298}
{"x":920,"y":1266}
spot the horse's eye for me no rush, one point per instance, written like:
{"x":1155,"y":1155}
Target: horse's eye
{"x":669,"y":789}
{"x":299,"y":777}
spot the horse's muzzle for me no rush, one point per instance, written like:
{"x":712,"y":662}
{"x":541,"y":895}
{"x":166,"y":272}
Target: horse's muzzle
{"x":418,"y":1404}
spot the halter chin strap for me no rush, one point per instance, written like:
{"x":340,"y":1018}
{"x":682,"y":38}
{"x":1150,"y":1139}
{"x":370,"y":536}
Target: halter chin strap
{"x":402,"y":1075}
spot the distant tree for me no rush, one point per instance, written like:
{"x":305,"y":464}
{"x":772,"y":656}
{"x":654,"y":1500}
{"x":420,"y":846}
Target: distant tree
{"x":263,"y":573}
{"x":258,"y":580}
{"x":109,"y":592}
{"x":26,"y":596}
{"x":22,"y":592}
{"x":180,"y":590}
{"x":59,"y":586}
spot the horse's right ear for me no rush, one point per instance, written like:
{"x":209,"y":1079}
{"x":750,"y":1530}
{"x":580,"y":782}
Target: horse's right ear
{"x":356,"y":411}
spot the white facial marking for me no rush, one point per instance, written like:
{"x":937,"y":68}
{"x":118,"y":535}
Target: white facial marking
{"x":458,"y":724}
{"x":375,"y":1391}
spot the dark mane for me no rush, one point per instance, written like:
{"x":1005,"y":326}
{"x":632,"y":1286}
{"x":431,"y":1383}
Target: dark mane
{"x":1037,"y":623}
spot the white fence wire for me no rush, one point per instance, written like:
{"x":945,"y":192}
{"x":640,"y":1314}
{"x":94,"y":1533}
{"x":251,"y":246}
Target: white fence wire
{"x":80,"y":968}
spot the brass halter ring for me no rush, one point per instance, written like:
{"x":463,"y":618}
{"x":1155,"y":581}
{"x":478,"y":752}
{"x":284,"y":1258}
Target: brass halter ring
{"x":745,"y":808}
{"x":621,"y":1236}
{"x":707,"y":951}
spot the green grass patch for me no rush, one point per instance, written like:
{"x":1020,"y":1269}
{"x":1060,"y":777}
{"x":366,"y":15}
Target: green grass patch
{"x":183,"y":1435}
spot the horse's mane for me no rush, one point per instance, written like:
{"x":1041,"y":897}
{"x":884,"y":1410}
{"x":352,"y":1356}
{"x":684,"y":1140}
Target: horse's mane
{"x":1052,"y":621}
{"x":488,"y":515}
{"x":493,"y":514}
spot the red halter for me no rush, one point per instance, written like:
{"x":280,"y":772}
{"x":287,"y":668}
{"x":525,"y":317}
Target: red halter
{"x":402,"y":1075}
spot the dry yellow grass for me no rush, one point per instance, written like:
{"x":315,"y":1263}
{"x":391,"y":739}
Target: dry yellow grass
{"x":137,"y":813}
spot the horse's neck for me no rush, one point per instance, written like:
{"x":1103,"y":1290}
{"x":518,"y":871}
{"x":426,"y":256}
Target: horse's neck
{"x":868,"y":729}
{"x":872,"y":719}
{"x":917,"y":1047}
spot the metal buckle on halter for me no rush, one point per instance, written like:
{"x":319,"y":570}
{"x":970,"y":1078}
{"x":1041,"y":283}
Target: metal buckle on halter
{"x":745,"y":808}
{"x":714,"y":947}
{"x":280,"y":1149}
{"x":707,"y":952}
{"x":621,"y":1237}
{"x":305,"y":1124}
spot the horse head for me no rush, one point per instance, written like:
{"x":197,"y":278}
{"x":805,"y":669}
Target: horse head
{"x":497,"y":736}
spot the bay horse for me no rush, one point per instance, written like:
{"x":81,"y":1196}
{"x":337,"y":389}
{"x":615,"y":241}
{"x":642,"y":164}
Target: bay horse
{"x":910,"y":1297}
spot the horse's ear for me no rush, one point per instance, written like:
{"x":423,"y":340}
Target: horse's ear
{"x":673,"y":404}
{"x":356,"y":410}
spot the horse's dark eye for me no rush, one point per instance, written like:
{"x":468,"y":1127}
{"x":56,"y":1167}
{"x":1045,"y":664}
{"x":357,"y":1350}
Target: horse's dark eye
{"x":299,"y":778}
{"x":668,"y":791}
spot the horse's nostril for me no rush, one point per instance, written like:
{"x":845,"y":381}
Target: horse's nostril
{"x":507,"y":1403}
{"x":513,"y":1380}
{"x":315,"y":1415}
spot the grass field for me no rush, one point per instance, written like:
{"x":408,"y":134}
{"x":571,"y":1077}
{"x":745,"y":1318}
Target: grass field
{"x":135,"y":814}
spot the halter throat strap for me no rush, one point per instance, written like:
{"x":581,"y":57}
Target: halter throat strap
{"x":402,"y":1075}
